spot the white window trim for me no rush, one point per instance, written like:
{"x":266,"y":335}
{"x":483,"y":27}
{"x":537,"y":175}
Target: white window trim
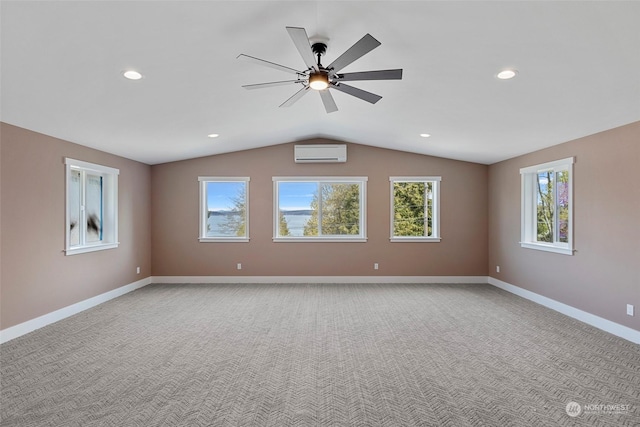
{"x":362,"y":180}
{"x":202,"y":180}
{"x":435,"y":227}
{"x":528,"y":177}
{"x":110,"y":203}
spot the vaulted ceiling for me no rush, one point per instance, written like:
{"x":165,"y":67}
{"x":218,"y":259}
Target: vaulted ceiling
{"x":578,"y":69}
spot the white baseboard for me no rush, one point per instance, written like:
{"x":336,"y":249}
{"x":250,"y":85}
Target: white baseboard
{"x":49,"y":318}
{"x":319,"y":279}
{"x":583,"y":316}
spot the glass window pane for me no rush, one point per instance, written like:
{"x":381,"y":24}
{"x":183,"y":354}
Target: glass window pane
{"x":413,"y":207}
{"x":298,"y":209}
{"x":74,"y":208}
{"x":545,"y":203}
{"x":226,"y":209}
{"x":562,"y":186}
{"x":340,"y":209}
{"x":429,"y":205}
{"x":93,"y":208}
{"x":318,"y":209}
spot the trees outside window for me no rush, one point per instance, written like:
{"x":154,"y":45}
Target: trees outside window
{"x":547,"y":206}
{"x":415,"y":208}
{"x":552,"y":208}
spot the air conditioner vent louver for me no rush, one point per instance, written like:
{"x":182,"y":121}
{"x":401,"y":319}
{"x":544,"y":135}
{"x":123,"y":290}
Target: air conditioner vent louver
{"x":325,"y":153}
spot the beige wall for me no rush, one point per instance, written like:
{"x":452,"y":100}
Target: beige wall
{"x":177,"y":252}
{"x":36,"y":277}
{"x":158,"y":224}
{"x":604,"y":274}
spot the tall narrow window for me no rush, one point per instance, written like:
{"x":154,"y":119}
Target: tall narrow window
{"x":224,"y":209}
{"x":415,"y":208}
{"x":547,"y":206}
{"x":319,"y":209}
{"x":91,"y":207}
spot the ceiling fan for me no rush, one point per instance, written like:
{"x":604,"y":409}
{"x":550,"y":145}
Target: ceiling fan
{"x":321,"y":78}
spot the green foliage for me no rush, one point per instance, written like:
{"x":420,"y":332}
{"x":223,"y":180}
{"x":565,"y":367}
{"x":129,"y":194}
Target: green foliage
{"x":410,"y":201}
{"x":338,"y":208}
{"x":283,"y":227}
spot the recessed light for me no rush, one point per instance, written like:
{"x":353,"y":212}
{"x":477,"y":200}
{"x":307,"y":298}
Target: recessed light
{"x":507,"y":74}
{"x":213,"y":135}
{"x":132,"y":75}
{"x":425,"y":135}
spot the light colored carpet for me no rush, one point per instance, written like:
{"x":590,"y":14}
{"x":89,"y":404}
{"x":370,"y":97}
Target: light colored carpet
{"x":319,"y":355}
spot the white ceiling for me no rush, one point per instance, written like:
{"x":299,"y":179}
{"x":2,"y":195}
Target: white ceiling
{"x":578,"y":62}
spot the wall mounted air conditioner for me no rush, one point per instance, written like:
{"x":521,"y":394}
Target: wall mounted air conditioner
{"x":325,"y":153}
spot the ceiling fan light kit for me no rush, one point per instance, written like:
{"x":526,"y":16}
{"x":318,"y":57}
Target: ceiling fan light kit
{"x":321,"y":78}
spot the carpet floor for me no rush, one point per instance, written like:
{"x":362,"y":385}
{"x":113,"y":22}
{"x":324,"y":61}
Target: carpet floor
{"x":319,"y":355}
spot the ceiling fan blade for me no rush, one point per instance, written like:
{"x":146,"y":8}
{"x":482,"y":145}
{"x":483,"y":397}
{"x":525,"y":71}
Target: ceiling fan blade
{"x":268,"y":64}
{"x":328,"y":101}
{"x":301,"y":40}
{"x":271,"y":84}
{"x":361,"y":48}
{"x":296,"y":96}
{"x":358,"y":93}
{"x":371,"y":75}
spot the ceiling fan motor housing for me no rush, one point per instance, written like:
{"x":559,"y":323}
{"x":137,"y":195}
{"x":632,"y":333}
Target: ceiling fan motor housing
{"x":319,"y":48}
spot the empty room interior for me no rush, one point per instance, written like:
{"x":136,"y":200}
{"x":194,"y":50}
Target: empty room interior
{"x":446,"y":233}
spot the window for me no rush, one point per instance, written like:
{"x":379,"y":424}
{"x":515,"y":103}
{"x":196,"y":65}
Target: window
{"x":224,"y":209}
{"x":547,"y":207}
{"x":91,"y":207}
{"x":320,"y":209}
{"x":415,"y":209}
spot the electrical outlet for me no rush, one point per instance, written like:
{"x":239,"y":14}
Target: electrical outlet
{"x":375,"y":265}
{"x":239,"y":266}
{"x":497,"y":269}
{"x":137,"y":270}
{"x":630,"y":309}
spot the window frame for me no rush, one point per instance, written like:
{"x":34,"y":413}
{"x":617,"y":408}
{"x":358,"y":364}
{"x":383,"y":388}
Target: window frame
{"x":360,"y":180}
{"x":435,"y":213}
{"x":109,"y":203}
{"x":528,"y":208}
{"x":202,"y":183}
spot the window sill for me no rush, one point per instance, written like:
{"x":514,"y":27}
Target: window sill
{"x":415,"y":239}
{"x":93,"y":248}
{"x":223,"y":240}
{"x":319,"y":239}
{"x":547,"y":248}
